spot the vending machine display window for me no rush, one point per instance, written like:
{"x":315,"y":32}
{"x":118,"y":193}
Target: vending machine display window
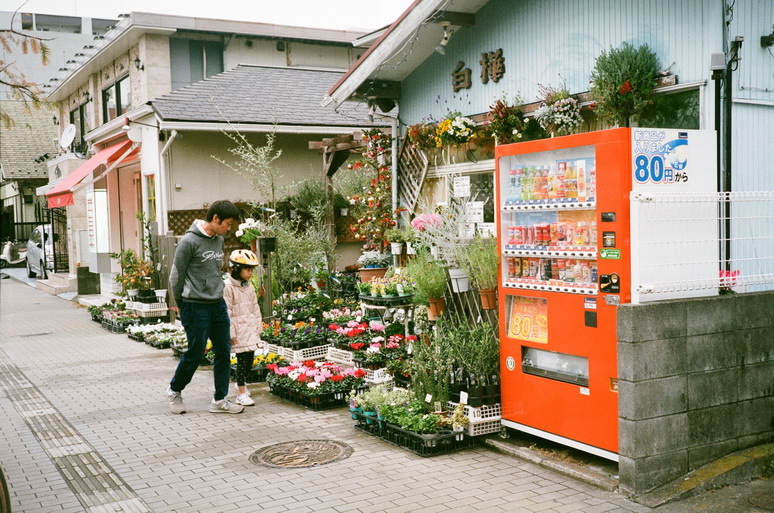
{"x":557,"y":366}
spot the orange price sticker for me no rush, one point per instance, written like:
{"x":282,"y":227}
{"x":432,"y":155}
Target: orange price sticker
{"x":528,"y":319}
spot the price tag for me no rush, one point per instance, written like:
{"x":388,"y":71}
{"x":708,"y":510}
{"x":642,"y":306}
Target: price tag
{"x":429,"y":398}
{"x":464,"y":397}
{"x":437,"y":406}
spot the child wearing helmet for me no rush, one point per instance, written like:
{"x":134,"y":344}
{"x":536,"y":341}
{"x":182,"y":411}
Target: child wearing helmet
{"x":245,"y":315}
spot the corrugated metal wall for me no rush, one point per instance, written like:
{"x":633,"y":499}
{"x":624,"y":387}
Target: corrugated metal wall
{"x":543,"y":40}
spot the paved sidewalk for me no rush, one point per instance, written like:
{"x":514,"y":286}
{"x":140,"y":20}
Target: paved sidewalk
{"x":87,"y":428}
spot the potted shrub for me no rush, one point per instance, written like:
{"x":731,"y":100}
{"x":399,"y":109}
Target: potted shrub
{"x":430,"y":278}
{"x":622,"y":81}
{"x":396,"y":239}
{"x":482,"y":259}
{"x":373,"y":264}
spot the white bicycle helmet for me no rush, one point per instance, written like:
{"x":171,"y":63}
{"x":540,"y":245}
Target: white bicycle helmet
{"x":243,"y":257}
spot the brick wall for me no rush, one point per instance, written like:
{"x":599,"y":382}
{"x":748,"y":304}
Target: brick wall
{"x":696,"y":382}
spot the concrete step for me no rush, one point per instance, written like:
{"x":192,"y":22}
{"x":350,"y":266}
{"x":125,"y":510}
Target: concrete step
{"x":58,"y":283}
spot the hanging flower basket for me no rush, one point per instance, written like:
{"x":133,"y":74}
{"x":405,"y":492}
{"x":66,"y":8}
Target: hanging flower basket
{"x":459,"y":280}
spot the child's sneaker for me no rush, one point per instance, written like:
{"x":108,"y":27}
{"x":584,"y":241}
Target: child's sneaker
{"x":175,"y":401}
{"x":225,"y":406}
{"x":245,"y":400}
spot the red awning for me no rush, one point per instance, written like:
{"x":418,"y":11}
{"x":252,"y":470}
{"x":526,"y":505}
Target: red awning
{"x":62,"y":194}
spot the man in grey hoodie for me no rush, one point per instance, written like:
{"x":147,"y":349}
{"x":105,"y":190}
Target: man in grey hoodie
{"x":197,"y":286}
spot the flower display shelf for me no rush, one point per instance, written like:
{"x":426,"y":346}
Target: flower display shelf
{"x":387,"y":301}
{"x":315,"y":402}
{"x":342,"y":356}
{"x":424,"y":445}
{"x":483,"y":420}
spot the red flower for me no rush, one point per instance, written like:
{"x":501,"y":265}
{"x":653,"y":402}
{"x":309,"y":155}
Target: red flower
{"x":333,"y":327}
{"x":272,"y":367}
{"x":337,"y":377}
{"x":411,"y":338}
{"x":357,"y":345}
{"x":310,"y":363}
{"x":360,"y":373}
{"x":625,"y":88}
{"x":301,"y":378}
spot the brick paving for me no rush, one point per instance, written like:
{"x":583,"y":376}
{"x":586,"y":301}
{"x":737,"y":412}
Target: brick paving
{"x":86,"y":427}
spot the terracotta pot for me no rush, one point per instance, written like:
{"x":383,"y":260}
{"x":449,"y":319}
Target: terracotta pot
{"x":488,"y":299}
{"x":436,"y":307}
{"x":366,"y":273}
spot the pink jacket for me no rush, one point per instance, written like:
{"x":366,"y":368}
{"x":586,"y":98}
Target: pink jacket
{"x":245,"y":314}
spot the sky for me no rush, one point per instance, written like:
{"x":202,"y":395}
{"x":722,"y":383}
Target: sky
{"x":331,"y":14}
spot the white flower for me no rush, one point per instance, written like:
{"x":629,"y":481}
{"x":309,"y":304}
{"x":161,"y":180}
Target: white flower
{"x":239,"y":232}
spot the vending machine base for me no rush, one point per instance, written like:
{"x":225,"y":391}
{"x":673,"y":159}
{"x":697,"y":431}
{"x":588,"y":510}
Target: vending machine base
{"x":596,"y":451}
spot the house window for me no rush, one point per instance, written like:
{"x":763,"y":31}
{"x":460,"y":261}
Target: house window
{"x":192,"y":61}
{"x":678,"y":110}
{"x":150,"y":188}
{"x":80,"y":118}
{"x":116,"y":99}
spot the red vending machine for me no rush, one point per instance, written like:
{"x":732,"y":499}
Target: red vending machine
{"x":564,"y":203}
{"x":564,"y":235}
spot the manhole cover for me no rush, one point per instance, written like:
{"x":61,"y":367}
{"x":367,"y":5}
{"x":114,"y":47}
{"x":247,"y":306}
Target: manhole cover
{"x":763,"y":500}
{"x":301,"y":453}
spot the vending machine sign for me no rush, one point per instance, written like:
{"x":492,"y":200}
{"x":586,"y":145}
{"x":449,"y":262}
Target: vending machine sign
{"x":667,"y":157}
{"x":528,"y":319}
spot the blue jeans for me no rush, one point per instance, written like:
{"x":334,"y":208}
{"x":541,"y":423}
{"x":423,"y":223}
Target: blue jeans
{"x":202,"y":322}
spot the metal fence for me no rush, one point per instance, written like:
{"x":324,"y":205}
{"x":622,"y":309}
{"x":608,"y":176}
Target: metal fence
{"x":697,"y":244}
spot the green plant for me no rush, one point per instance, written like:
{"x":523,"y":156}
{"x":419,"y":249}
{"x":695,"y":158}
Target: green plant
{"x":505,"y":121}
{"x":559,"y":112}
{"x":474,"y":348}
{"x":311,"y":198}
{"x":481,"y":258}
{"x":422,"y":135}
{"x":395,"y":235}
{"x":135,"y":273}
{"x":622,"y":81}
{"x":428,"y":274}
{"x":458,"y":420}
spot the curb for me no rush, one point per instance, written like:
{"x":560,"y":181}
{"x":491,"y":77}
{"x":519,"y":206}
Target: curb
{"x":737,"y":468}
{"x":582,"y":473}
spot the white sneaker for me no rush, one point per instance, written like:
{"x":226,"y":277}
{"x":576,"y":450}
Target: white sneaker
{"x":225,"y":406}
{"x":247,"y":391}
{"x":245,"y":400}
{"x":175,"y":401}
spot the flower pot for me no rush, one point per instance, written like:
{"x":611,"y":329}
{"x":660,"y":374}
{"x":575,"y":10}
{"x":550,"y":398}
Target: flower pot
{"x":132,"y":293}
{"x":410,"y":249}
{"x":161,"y":295}
{"x":488,"y":299}
{"x":436,"y":307}
{"x":367,"y":273}
{"x":459,"y":280}
{"x":396,"y":247}
{"x":267,"y":244}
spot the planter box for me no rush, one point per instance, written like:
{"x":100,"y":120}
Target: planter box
{"x":419,"y":444}
{"x":115,"y":327}
{"x":310,"y":353}
{"x":342,"y":356}
{"x":313,"y":402}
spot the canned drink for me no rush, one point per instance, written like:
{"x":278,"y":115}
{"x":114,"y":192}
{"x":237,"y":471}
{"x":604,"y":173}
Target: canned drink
{"x":569,"y":270}
{"x":534,"y":267}
{"x":585,"y":272}
{"x":594,"y":274}
{"x":580,"y":234}
{"x":529,"y":234}
{"x":511,"y":267}
{"x":524,"y":268}
{"x":518,"y":235}
{"x":561,"y":269}
{"x":546,"y":234}
{"x":546,"y":269}
{"x":561,"y":233}
{"x":569,"y":233}
{"x":593,"y":233}
{"x":554,"y":234}
{"x":555,"y":270}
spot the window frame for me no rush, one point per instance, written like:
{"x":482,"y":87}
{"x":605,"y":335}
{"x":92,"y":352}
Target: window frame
{"x":116,"y":87}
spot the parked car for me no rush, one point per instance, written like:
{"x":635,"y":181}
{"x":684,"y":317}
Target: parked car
{"x":40,"y":255}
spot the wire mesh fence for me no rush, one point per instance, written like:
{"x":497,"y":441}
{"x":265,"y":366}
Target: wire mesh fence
{"x":700,"y":244}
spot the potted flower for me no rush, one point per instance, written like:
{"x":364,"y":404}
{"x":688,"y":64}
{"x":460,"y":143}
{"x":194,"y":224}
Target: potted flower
{"x":505,"y":121}
{"x":482,"y":260}
{"x":559,"y":113}
{"x":257,"y":234}
{"x":373,"y":264}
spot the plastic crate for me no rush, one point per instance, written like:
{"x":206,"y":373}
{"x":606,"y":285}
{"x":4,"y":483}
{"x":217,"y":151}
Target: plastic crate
{"x":273,"y":348}
{"x":484,"y":427}
{"x":339,"y":356}
{"x":377,"y":376}
{"x":147,"y":307}
{"x":482,"y":420}
{"x":419,"y":444}
{"x":313,"y":402}
{"x":310,"y":353}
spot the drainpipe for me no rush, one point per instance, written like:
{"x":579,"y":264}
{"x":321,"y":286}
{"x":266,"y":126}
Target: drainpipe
{"x":164,"y":182}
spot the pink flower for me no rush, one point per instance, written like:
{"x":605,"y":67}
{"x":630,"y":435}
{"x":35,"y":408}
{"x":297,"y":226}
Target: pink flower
{"x":377,"y":326}
{"x":392,"y":345}
{"x":424,"y":221}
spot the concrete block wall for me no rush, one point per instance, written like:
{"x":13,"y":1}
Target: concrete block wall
{"x":696,"y":382}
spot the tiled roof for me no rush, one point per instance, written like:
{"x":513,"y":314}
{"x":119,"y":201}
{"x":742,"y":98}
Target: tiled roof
{"x":30,"y":136}
{"x":259,"y":94}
